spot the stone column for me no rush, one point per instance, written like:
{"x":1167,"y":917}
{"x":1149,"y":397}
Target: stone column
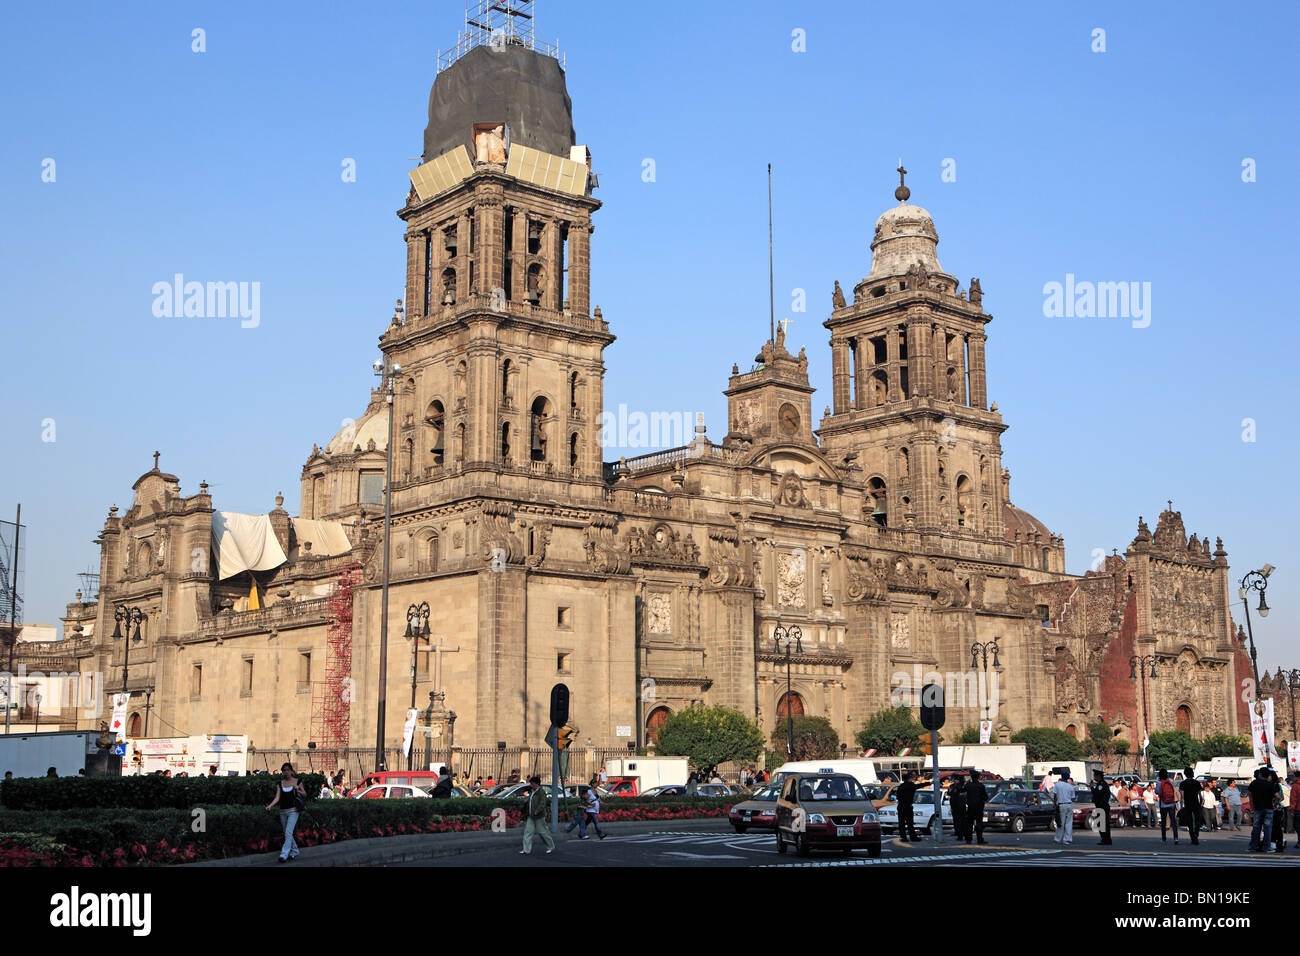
{"x":891,"y":346}
{"x":482,"y":398}
{"x":940,"y":365}
{"x":462,"y":257}
{"x":978,"y":386}
{"x":580,"y":267}
{"x":519,"y":251}
{"x":490,"y":252}
{"x":859,"y":377}
{"x":963,"y":386}
{"x":415,"y":245}
{"x":553,"y":251}
{"x":919,"y":365}
{"x":840,"y":376}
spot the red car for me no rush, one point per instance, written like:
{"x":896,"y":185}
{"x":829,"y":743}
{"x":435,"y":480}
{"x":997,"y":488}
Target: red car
{"x":825,"y":811}
{"x":758,"y":812}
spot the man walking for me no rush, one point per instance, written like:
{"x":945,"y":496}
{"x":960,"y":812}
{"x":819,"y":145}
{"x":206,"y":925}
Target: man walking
{"x":1101,"y":799}
{"x":1167,"y":797}
{"x":535,"y":818}
{"x":906,"y":798}
{"x":976,"y":797}
{"x":1063,"y":796}
{"x":1261,"y":811}
{"x":1232,"y":803}
{"x":1191,"y":791}
{"x":957,"y":797}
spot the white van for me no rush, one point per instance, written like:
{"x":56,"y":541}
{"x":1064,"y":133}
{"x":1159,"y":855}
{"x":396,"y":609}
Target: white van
{"x":861,"y":768}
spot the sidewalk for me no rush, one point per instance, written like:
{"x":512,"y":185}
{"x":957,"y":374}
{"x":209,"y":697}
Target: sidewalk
{"x":382,"y":851}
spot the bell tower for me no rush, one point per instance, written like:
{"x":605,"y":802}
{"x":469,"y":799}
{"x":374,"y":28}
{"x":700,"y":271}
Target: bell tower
{"x":500,"y":348}
{"x":908,"y":384}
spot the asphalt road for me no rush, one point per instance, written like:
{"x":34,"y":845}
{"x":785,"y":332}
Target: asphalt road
{"x":722,"y":846}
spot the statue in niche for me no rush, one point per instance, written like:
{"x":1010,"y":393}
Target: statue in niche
{"x":976,"y":293}
{"x":490,"y":144}
{"x":878,"y":391}
{"x":803,"y":360}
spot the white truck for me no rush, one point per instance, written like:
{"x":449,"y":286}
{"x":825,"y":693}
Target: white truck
{"x":189,"y":755}
{"x":647,"y":772}
{"x":32,"y":755}
{"x":1080,"y":770}
{"x":1235,"y":768}
{"x":1006,"y":760}
{"x":863,"y":769}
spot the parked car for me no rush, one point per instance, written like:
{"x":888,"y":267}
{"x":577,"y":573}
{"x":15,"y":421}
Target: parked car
{"x":714,"y":790}
{"x":879,"y":792}
{"x":758,"y":812}
{"x":672,"y":790}
{"x":519,"y":791}
{"x":1019,"y":810}
{"x":1083,"y":808}
{"x":922,"y":812}
{"x":825,"y":811}
{"x":385,"y":790}
{"x":425,"y":779}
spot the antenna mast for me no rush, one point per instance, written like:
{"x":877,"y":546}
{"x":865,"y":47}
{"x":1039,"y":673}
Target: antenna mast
{"x":771,"y":294}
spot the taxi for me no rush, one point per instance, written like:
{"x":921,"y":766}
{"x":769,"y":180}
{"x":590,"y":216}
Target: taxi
{"x":825,"y":811}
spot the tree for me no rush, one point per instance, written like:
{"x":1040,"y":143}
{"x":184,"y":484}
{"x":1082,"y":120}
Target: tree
{"x":709,"y":736}
{"x":1173,"y":750}
{"x":1048,"y":743}
{"x":890,"y":730}
{"x":971,"y":735}
{"x":814,"y":737}
{"x":1101,"y":740}
{"x":1225,"y":745}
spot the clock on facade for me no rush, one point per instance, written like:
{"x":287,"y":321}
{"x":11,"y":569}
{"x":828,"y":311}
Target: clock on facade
{"x":789,"y":418}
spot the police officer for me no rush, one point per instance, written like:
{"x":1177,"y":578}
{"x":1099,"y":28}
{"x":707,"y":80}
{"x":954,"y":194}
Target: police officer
{"x":976,"y":797}
{"x":1101,"y":799}
{"x":957,"y":797}
{"x":906,"y":798}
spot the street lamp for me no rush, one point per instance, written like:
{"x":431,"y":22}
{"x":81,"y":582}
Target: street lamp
{"x":1256,"y":581}
{"x":1292,"y":685}
{"x":786,"y":638}
{"x":1136,"y":665}
{"x":37,"y":698}
{"x":132,"y":617}
{"x":387,"y":372}
{"x":417,"y":626}
{"x":979,"y":651}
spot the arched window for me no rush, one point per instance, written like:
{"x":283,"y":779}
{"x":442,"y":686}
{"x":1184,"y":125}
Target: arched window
{"x":435,"y":419}
{"x":133,"y":727}
{"x":790,"y":705}
{"x":538,"y":418}
{"x":963,"y":498}
{"x":143,"y":558}
{"x":459,"y":449}
{"x":1184,"y":719}
{"x":575,"y":386}
{"x":879,"y":386}
{"x":656,"y":720}
{"x":430,"y":555}
{"x":507,"y":371}
{"x":1072,"y":730}
{"x":573,"y":450}
{"x":505,"y":442}
{"x":461,"y":384}
{"x":535,"y":283}
{"x":879,"y":501}
{"x":449,"y":286}
{"x":904,"y":463}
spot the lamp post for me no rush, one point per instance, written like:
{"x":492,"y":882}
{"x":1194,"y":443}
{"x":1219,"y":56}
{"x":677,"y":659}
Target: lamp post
{"x":1137,"y":670}
{"x":148,"y":698}
{"x":387,"y":372}
{"x":979,"y":651}
{"x":37,"y":698}
{"x":1292,"y":685}
{"x":417,"y":626}
{"x":786,"y":638}
{"x":1256,"y":581}
{"x":131,"y":616}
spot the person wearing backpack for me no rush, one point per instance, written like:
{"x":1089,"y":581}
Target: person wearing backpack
{"x":1167,"y":797}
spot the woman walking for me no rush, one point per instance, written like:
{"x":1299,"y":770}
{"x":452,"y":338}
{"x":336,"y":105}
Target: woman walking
{"x":291,"y":798}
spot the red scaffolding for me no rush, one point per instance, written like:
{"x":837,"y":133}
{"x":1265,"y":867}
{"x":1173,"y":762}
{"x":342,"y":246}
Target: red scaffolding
{"x":332,"y":696}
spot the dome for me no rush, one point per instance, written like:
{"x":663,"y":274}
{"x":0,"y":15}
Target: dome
{"x":372,"y":425}
{"x":905,"y":234}
{"x":1015,"y":520}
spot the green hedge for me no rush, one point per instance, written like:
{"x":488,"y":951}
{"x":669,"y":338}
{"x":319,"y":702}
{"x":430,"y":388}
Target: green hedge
{"x":145,"y":792}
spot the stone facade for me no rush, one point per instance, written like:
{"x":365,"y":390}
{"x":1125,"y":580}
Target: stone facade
{"x":886,"y":535}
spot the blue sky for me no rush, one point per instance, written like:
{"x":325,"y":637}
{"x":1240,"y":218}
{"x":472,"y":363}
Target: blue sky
{"x":225,"y":165}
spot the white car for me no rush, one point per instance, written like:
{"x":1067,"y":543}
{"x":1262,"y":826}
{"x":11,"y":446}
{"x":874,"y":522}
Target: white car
{"x":382,"y":790}
{"x":922,"y":811}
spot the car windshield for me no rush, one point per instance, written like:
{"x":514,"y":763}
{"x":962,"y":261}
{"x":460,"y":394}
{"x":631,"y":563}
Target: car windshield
{"x":830,"y":788}
{"x":1009,"y":796}
{"x":765,"y":793}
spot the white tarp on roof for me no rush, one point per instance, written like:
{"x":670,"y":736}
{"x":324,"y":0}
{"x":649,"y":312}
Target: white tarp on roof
{"x":327,"y":538}
{"x":244,"y":543}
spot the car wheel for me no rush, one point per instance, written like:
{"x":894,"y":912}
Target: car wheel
{"x":874,"y":850}
{"x":1018,"y":825}
{"x":780,"y":844}
{"x":801,"y":844}
{"x":929,"y":827}
{"x":740,"y":828}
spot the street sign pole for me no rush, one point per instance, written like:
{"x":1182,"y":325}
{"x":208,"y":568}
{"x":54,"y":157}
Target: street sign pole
{"x":932,"y":719}
{"x":559,"y":717}
{"x":555,"y":791}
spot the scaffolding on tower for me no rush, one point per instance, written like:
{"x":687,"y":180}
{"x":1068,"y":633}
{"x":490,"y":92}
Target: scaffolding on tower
{"x":332,"y":696}
{"x":498,"y":24}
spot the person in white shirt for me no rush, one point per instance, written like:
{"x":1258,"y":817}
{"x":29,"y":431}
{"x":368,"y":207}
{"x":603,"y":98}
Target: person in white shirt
{"x":1063,"y":795}
{"x":1149,"y":798}
{"x":1211,"y":807}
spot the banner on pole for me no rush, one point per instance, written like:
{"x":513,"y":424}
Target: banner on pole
{"x":1261,"y":730}
{"x":118,"y":727}
{"x":986,"y":731}
{"x":1293,"y":754}
{"x":408,"y":732}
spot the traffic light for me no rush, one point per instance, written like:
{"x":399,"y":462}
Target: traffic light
{"x":136,"y":758}
{"x":564,"y":738}
{"x":927,"y":742}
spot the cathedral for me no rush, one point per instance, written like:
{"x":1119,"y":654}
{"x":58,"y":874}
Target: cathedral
{"x":517,"y":557}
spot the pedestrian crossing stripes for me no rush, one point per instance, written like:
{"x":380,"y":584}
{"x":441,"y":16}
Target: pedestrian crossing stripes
{"x":755,"y":839}
{"x":1059,"y":857}
{"x":926,"y":858}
